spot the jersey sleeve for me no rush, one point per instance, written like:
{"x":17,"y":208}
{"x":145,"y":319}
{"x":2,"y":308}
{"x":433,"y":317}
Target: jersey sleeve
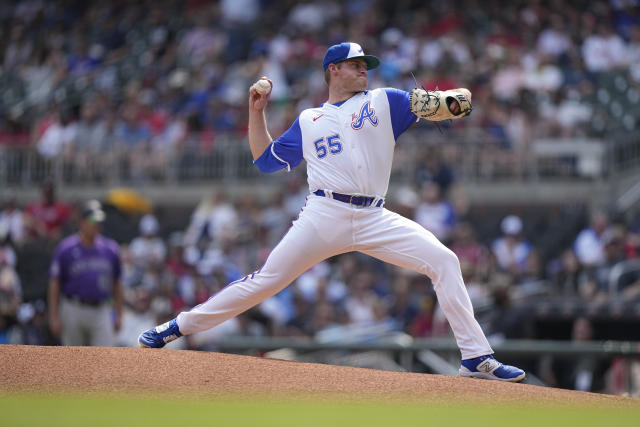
{"x":400,"y":110}
{"x":284,"y":152}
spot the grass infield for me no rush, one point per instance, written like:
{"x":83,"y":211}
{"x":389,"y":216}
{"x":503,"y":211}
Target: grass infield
{"x":68,"y":411}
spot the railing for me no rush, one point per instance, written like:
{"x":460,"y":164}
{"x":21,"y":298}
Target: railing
{"x":229,"y":159}
{"x":547,"y":171}
{"x":475,"y":157}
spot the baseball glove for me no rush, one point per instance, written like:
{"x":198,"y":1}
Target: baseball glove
{"x":435,"y":105}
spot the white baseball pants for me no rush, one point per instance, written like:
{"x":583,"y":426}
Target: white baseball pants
{"x":328,"y":227}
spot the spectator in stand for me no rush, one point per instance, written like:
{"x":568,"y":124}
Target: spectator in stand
{"x":569,"y":113}
{"x":423,"y":324}
{"x":176,"y":264}
{"x":613,"y":253}
{"x":133,"y":139}
{"x":33,"y":329}
{"x":312,"y":285}
{"x":555,"y":39}
{"x":46,"y":217}
{"x":19,"y":46}
{"x":7,"y":253}
{"x":633,"y":54}
{"x":214,"y":220}
{"x":434,"y":167}
{"x":588,"y":246}
{"x":295,"y":195}
{"x":362,"y":300}
{"x":148,"y":250}
{"x":474,"y":261}
{"x":299,"y":323}
{"x":274,"y":218}
{"x":604,"y":50}
{"x":532,"y":281}
{"x":511,"y":249}
{"x":403,"y":305}
{"x":41,"y":74}
{"x":202,"y":40}
{"x":165,"y":144}
{"x":89,"y":135}
{"x":85,"y":279}
{"x":545,"y":78}
{"x":223,"y":220}
{"x":509,"y":77}
{"x":136,"y":314}
{"x":434,"y":213}
{"x":508,"y":320}
{"x":181,"y":290}
{"x":10,"y":288}
{"x":57,"y":139}
{"x":325,"y":323}
{"x":467,"y":247}
{"x":571,"y":279}
{"x":12,"y":218}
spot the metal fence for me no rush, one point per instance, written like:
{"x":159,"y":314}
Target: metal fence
{"x":472,"y":154}
{"x":229,"y":159}
{"x":591,"y":171}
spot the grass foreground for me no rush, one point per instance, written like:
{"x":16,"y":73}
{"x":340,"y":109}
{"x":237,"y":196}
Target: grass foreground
{"x":69,"y":411}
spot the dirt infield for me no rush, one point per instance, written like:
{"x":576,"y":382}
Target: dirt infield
{"x":188,"y":374}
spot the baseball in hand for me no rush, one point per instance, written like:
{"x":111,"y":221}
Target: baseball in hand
{"x":262,"y":86}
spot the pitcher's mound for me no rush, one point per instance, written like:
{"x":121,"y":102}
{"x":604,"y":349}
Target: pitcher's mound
{"x":189,"y":374}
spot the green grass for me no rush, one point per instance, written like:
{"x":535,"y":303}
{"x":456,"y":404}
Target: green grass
{"x":45,"y":411}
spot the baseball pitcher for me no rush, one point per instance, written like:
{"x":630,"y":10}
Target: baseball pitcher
{"x":348,"y":144}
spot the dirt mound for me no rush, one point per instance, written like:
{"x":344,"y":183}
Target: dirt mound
{"x":189,"y":374}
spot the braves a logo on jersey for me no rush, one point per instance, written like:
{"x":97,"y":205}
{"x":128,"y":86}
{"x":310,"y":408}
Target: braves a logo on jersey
{"x":366,"y":113}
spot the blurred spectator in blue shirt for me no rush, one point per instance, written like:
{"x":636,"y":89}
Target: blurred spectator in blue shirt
{"x":588,"y":246}
{"x":511,"y":250}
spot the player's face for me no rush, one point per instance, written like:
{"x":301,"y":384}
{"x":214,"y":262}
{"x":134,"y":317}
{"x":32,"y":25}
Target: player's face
{"x":89,"y":229}
{"x":353,"y":75}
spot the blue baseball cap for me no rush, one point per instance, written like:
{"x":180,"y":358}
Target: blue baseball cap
{"x":347,"y":50}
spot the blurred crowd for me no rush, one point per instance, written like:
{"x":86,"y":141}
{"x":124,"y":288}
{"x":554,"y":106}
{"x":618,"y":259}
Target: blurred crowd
{"x":130,"y":84}
{"x":133,"y":83}
{"x":509,"y":271}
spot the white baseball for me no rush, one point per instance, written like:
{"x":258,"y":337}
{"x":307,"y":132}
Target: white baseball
{"x":262,"y":86}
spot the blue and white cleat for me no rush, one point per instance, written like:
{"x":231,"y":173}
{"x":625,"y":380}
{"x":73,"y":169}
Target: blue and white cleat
{"x":161,"y":335}
{"x":488,"y":368}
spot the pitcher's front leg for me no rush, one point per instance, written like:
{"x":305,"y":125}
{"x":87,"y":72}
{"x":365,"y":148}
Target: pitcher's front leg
{"x":288,"y":260}
{"x":319,"y":233}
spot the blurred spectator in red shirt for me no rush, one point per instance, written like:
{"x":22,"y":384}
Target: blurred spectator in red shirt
{"x":47,"y":216}
{"x":466,"y":246}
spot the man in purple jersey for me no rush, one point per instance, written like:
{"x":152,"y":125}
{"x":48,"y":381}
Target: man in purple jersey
{"x":85,"y":283}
